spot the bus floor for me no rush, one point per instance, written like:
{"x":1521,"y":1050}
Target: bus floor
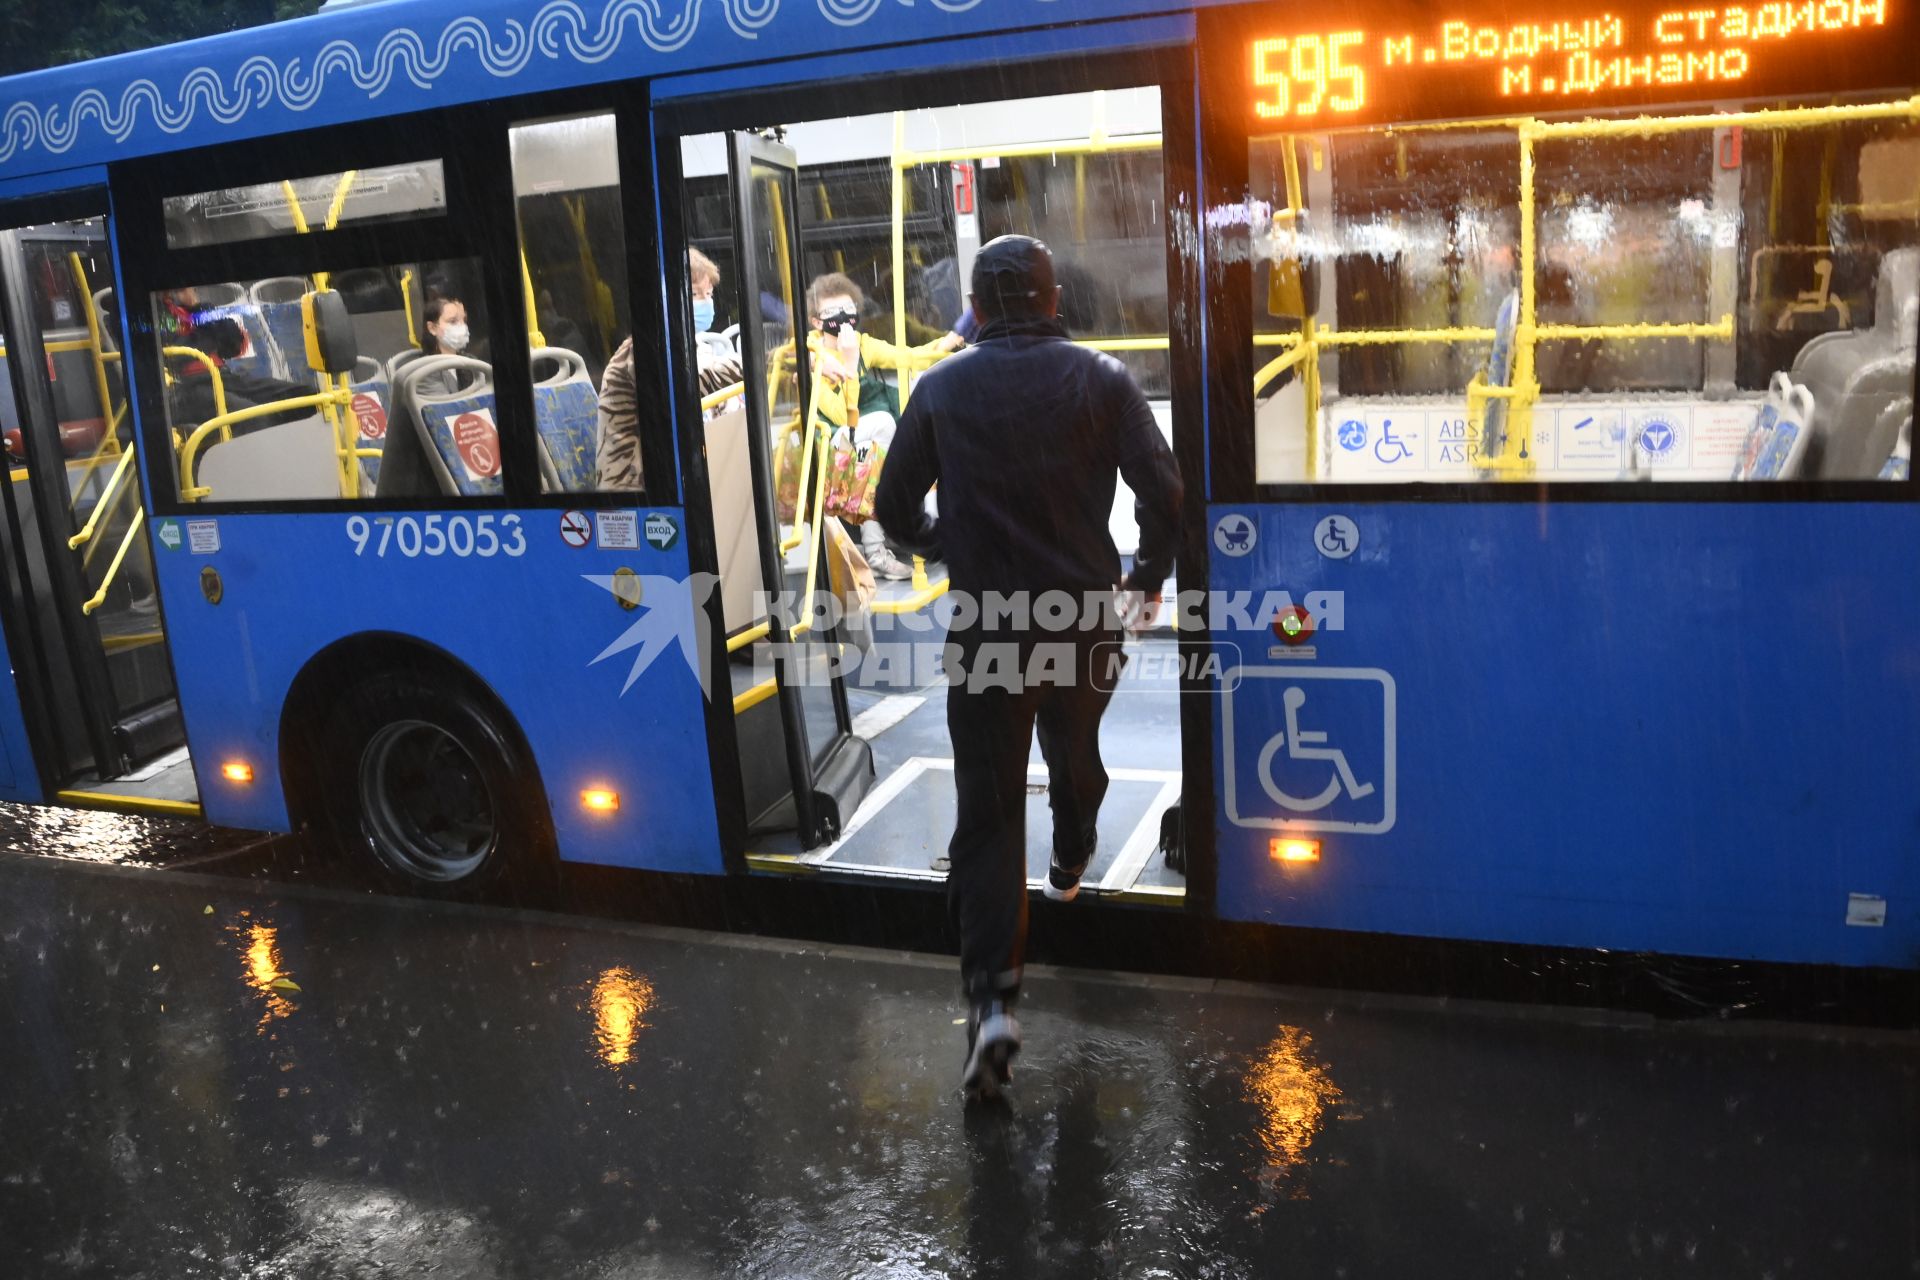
{"x":901,"y":829}
{"x":164,"y":785}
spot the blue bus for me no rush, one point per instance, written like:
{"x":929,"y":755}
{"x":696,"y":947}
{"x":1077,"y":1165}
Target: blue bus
{"x":1546,"y":378}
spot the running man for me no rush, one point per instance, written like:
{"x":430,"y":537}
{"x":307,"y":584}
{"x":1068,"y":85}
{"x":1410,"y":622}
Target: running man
{"x":1025,"y":433}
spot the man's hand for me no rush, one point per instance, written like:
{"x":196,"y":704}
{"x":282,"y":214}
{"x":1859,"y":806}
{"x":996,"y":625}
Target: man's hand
{"x":1137,"y":609}
{"x":951,"y":342}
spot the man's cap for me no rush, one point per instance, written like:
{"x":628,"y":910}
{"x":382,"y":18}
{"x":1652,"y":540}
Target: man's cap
{"x":1013,"y":267}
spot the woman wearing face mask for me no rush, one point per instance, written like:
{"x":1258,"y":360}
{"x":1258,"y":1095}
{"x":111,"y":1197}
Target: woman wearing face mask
{"x":719,"y":363}
{"x":446,"y":334}
{"x":618,"y":446}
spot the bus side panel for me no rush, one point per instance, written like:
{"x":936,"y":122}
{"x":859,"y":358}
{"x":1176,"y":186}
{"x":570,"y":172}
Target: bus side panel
{"x":532,"y":626}
{"x":1675,"y":727}
{"x":19,"y":780}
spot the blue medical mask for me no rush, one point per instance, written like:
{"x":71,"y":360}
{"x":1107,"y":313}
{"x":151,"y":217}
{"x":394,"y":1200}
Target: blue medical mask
{"x":702,"y":314}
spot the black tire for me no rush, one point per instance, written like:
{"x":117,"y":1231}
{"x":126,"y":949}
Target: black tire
{"x":423,"y":779}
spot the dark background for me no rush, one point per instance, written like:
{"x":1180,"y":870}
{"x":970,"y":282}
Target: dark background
{"x":46,"y":33}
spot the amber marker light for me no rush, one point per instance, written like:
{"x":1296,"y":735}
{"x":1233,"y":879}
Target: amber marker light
{"x":237,"y":771}
{"x":600,"y":800}
{"x":1294,"y":849}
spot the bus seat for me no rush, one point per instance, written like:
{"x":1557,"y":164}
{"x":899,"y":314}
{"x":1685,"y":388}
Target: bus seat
{"x":1898,"y":419}
{"x":1777,"y":442}
{"x":278,"y":300}
{"x":230,"y":300}
{"x":566,"y":410}
{"x":292,"y":460}
{"x":454,"y":424}
{"x":1855,"y":376}
{"x":104,"y":306}
{"x":372,"y":409}
{"x":1895,"y":429}
{"x":399,"y":361}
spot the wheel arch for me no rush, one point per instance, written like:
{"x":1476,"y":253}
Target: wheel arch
{"x":328,"y":674}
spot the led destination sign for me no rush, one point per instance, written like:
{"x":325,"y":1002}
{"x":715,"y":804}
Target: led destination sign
{"x":1411,"y":63}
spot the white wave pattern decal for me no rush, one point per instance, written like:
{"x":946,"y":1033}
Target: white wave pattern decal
{"x":561,"y":30}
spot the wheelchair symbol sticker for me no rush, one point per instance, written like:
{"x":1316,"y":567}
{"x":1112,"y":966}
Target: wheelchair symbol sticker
{"x":1353,"y":435}
{"x":1234,"y":535}
{"x":1336,"y":537}
{"x":1311,"y":750}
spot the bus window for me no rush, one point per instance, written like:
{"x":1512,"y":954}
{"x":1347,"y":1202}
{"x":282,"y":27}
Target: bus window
{"x":405,"y":410}
{"x":566,"y":182}
{"x":322,"y":201}
{"x":1706,"y":303}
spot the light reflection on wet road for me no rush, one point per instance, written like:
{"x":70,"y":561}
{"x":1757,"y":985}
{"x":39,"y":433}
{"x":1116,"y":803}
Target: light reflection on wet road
{"x":301,"y":1083}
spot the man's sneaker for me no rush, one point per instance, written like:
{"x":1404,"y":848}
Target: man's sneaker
{"x":993,"y":1037}
{"x":1063,"y":885}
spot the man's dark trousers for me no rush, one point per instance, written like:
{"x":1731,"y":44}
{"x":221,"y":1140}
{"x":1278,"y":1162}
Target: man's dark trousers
{"x":992,"y":728}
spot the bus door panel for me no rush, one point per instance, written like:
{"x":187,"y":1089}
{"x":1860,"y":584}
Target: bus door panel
{"x":827,"y":770}
{"x":83,"y":604}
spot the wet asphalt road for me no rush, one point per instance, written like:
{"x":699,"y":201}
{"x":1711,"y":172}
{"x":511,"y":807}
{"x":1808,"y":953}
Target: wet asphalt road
{"x":203,"y":1076}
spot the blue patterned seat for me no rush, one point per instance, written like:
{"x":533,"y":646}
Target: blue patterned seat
{"x":566,"y":409}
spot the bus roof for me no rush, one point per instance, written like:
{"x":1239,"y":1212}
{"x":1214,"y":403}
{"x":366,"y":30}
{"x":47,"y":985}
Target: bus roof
{"x":393,"y":56}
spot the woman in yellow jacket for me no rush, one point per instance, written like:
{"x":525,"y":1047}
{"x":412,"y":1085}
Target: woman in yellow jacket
{"x":853,"y":396}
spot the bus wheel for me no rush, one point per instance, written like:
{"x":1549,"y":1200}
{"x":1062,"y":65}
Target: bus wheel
{"x":427,"y":780}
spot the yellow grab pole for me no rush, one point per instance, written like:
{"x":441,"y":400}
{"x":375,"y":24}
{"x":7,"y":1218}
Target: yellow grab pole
{"x":340,"y":198}
{"x":406,"y":303}
{"x":93,"y":340}
{"x":900,"y":163}
{"x":133,"y":531}
{"x":225,"y":423}
{"x":213,"y":371}
{"x":101,"y":507}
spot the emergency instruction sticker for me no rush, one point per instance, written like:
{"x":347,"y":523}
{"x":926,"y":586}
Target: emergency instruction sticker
{"x":617,"y":530}
{"x":203,"y":537}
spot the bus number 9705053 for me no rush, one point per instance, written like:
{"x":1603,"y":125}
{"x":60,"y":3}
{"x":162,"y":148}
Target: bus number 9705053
{"x":438,"y":535}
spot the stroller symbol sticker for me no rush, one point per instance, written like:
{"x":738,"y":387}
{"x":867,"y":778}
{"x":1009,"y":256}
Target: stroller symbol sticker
{"x":1235,"y":535}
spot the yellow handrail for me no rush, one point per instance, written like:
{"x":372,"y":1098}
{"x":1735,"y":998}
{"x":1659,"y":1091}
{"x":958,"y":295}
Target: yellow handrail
{"x":101,"y":507}
{"x":534,"y":335}
{"x":93,"y":337}
{"x":133,"y":531}
{"x":340,"y":198}
{"x":293,"y":203}
{"x":765,"y":689}
{"x":109,"y":447}
{"x":757,"y":632}
{"x":213,"y":371}
{"x":191,"y":449}
{"x":406,"y":304}
{"x":720,"y":397}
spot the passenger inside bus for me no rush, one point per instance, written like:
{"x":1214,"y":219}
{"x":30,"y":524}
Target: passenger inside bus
{"x":861,"y":406}
{"x":617,"y":442}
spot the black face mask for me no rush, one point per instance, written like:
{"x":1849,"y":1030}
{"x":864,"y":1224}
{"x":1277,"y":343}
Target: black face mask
{"x":832,"y":323}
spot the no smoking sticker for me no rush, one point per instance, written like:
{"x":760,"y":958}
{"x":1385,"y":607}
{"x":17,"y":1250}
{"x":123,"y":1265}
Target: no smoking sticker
{"x":478,"y":444}
{"x":574,"y":528}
